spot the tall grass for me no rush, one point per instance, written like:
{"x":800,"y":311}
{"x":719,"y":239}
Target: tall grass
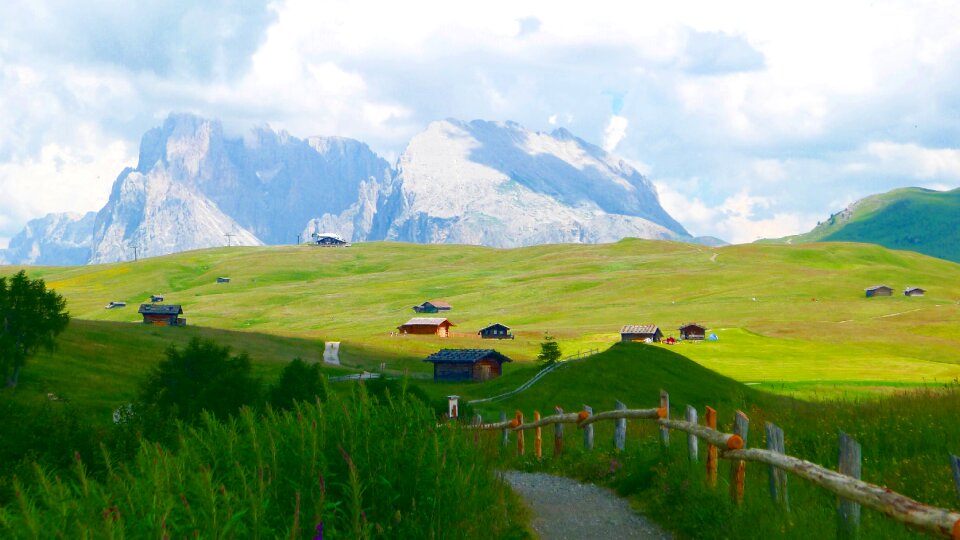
{"x":350,"y":467}
{"x":906,"y":441}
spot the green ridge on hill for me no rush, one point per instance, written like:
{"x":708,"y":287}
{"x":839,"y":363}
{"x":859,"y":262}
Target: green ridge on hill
{"x":915,"y":219}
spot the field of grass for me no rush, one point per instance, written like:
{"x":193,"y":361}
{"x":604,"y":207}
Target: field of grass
{"x":906,"y":441}
{"x":791,"y":318}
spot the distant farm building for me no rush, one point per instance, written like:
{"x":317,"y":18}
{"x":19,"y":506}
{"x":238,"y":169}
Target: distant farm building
{"x":427,"y":325}
{"x":115,"y":304}
{"x":914,"y":291}
{"x":641,"y":332}
{"x":329,"y":240}
{"x":432,"y":306}
{"x":223,"y":280}
{"x":692,"y":331}
{"x":156,"y":298}
{"x":162,"y":314}
{"x":878,"y":290}
{"x":496,"y":331}
{"x":466,"y":364}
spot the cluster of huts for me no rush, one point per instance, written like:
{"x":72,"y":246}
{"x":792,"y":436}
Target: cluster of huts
{"x":651,"y":333}
{"x":440,"y":326}
{"x":883,"y":290}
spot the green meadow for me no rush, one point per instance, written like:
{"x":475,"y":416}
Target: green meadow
{"x":791,"y":319}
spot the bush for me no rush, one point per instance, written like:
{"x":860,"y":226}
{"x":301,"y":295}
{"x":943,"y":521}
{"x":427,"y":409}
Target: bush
{"x":299,"y":381}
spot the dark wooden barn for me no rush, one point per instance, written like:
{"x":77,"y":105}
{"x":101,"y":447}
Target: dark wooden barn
{"x":162,"y":314}
{"x":432,"y":306}
{"x":878,"y":290}
{"x":641,"y":332}
{"x":496,"y":331}
{"x":427,"y":325}
{"x":914,"y":291}
{"x":692,"y":331}
{"x":466,"y":364}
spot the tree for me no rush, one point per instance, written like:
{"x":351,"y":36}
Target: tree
{"x":202,"y":376}
{"x":549,"y":351}
{"x":299,"y":381}
{"x":31,"y":318}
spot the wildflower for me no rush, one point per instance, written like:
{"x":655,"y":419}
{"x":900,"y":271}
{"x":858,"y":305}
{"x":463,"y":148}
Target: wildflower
{"x":319,"y":535}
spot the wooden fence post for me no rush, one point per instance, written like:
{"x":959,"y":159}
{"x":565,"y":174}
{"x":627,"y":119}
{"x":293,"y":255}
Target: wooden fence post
{"x":665,"y":404}
{"x":505,"y":434}
{"x":537,"y":437}
{"x":692,"y":449}
{"x":558,"y":435}
{"x":955,"y":464}
{"x":778,"y":476}
{"x":738,"y":468}
{"x":520,"y":447}
{"x":848,"y":512}
{"x":620,"y":433}
{"x":711,"y":418}
{"x":588,"y":430}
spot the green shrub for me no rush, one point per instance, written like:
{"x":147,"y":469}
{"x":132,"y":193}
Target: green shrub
{"x":299,"y":381}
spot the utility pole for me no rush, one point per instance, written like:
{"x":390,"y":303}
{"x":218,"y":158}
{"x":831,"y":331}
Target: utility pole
{"x":134,"y":253}
{"x":229,"y":236}
{"x":298,"y":239}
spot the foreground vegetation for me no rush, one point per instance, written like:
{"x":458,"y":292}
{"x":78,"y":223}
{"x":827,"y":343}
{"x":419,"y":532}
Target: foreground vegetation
{"x":351,"y":467}
{"x":906,"y":441}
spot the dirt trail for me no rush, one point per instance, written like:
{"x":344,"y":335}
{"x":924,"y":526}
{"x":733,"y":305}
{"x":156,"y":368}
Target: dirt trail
{"x":566,"y":509}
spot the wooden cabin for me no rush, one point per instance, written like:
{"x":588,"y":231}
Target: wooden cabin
{"x":432,"y":306}
{"x":878,"y":290}
{"x":329,"y":240}
{"x":162,"y":314}
{"x":641,"y":332}
{"x":156,"y":298}
{"x":427,"y":325}
{"x":914,"y":291}
{"x":222,"y":279}
{"x":496,"y":331}
{"x":692,"y":331}
{"x":466,"y":364}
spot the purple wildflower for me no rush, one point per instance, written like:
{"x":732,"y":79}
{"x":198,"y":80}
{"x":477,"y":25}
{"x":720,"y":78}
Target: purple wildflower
{"x":319,"y":535}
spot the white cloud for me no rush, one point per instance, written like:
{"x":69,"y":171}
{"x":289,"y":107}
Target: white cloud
{"x":615,"y":131}
{"x":915,"y":160}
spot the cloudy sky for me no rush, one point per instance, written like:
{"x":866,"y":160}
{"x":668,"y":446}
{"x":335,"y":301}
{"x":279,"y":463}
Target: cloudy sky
{"x":753,"y":119}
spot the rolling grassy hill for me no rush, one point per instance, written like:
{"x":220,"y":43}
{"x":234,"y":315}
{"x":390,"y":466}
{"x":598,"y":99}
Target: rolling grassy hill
{"x":789,"y":317}
{"x":916,"y":219}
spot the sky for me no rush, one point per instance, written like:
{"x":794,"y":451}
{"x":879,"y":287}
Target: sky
{"x":753,"y":119}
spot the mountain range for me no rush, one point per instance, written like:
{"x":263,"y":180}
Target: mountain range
{"x":486,"y":183}
{"x":915,"y":219}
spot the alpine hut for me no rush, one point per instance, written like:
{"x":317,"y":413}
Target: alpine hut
{"x":649,"y":333}
{"x":878,"y":290}
{"x":914,"y":291}
{"x":495,"y":331}
{"x":432,"y":306}
{"x":162,"y":314}
{"x":329,"y":240}
{"x":466,"y":364}
{"x":427,"y":325}
{"x":692,"y":331}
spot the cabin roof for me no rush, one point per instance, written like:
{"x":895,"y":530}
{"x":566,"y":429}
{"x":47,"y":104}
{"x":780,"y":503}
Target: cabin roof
{"x":639,"y":329}
{"x":688,"y":325}
{"x":464,"y":356}
{"x":160,"y":309}
{"x":875,"y":287}
{"x":438,"y":304}
{"x":494,"y":325}
{"x":428,"y":321}
{"x":908,"y":289}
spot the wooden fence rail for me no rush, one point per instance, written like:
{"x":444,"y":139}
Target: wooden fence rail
{"x":846,"y":484}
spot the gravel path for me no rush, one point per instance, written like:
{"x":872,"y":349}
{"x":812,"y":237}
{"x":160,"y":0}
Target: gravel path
{"x":566,"y":509}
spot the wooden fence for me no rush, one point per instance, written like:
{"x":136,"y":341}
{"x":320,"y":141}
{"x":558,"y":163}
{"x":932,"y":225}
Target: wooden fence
{"x":845,"y":483}
{"x":580,"y":355}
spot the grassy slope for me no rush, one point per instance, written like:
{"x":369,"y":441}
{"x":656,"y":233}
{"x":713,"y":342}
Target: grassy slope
{"x":916,"y":219}
{"x":582,"y":294}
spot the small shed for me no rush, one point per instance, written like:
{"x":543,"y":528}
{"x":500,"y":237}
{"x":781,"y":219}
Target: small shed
{"x":432,"y":306}
{"x":466,"y":364}
{"x":156,"y":298}
{"x":692,"y":331}
{"x":115,"y":304}
{"x":162,"y":314}
{"x":495,"y":331}
{"x":427,"y":325}
{"x":329,"y":240}
{"x":222,"y":279}
{"x":878,"y":290}
{"x":641,"y":332}
{"x":914,"y":291}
